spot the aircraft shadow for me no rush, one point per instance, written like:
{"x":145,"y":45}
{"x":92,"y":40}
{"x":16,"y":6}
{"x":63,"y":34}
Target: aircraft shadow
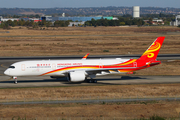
{"x":34,"y":81}
{"x":65,"y":81}
{"x":109,"y":79}
{"x":121,"y":78}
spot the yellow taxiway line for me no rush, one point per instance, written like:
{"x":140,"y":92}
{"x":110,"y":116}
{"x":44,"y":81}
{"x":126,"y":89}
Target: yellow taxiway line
{"x":3,"y":66}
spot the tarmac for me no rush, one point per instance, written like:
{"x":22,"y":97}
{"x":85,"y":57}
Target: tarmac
{"x":91,"y":101}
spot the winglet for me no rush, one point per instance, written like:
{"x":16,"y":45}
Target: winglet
{"x":84,"y":58}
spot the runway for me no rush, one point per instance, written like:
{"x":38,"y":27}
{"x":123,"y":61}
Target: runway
{"x":91,"y":100}
{"x":46,"y":81}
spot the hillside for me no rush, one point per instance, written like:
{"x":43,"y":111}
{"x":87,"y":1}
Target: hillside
{"x":87,"y":11}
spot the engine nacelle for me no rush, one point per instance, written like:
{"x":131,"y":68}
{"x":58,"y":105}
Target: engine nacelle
{"x":77,"y":76}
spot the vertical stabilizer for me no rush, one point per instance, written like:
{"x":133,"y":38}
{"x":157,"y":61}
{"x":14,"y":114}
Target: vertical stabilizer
{"x":152,"y":52}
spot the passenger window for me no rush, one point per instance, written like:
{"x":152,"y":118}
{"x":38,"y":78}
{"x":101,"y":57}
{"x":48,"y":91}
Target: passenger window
{"x":12,"y":67}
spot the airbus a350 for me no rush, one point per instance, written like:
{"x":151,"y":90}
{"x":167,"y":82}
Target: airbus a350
{"x":79,"y":70}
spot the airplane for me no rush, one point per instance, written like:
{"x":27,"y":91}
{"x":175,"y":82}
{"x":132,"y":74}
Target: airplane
{"x":79,"y":70}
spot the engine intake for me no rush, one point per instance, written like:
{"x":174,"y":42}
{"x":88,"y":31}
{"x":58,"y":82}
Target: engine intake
{"x":77,"y":76}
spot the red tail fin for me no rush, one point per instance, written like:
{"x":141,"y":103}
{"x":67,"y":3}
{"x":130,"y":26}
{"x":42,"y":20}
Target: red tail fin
{"x":152,"y":52}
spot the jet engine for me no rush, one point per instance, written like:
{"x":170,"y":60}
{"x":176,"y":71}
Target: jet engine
{"x":77,"y":76}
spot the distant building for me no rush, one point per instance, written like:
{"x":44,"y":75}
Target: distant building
{"x":6,"y":19}
{"x":176,"y":22}
{"x":63,"y":15}
{"x":47,"y":18}
{"x":52,"y":19}
{"x":136,"y":11}
{"x":77,"y":20}
{"x":25,"y":19}
{"x":71,"y":24}
{"x":35,"y":20}
{"x":155,"y":21}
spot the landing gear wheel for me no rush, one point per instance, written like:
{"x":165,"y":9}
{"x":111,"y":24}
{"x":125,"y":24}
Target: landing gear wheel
{"x":90,"y":81}
{"x":15,"y":80}
{"x":94,"y":81}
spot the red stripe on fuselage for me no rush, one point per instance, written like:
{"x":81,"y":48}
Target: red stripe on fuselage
{"x":127,"y":64}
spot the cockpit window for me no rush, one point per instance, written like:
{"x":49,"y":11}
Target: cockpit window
{"x":12,"y":67}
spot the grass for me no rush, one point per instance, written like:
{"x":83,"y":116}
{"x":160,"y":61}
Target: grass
{"x":97,"y":41}
{"x":154,"y":117}
{"x":105,"y":50}
{"x":93,"y":92}
{"x":82,"y":110}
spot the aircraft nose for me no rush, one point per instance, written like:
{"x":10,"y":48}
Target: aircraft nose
{"x":6,"y":72}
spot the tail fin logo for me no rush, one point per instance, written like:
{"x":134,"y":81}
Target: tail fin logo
{"x":150,"y":51}
{"x":150,"y":55}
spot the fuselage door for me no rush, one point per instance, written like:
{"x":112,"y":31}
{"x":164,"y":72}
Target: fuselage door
{"x":100,"y":65}
{"x":53,"y":66}
{"x":135,"y":64}
{"x":23,"y":67}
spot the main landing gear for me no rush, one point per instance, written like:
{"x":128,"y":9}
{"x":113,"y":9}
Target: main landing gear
{"x":15,"y":80}
{"x":92,"y":81}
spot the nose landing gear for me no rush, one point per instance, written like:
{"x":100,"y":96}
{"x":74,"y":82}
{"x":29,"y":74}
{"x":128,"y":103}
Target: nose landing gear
{"x":15,"y":80}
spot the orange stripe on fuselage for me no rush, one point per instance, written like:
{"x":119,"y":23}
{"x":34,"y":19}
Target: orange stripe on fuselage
{"x":92,"y":67}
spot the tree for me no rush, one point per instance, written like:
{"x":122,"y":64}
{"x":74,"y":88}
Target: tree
{"x":56,"y":23}
{"x":150,"y":21}
{"x":67,"y":23}
{"x":140,"y":22}
{"x":31,"y":23}
{"x":21,"y":22}
{"x":12,"y":24}
{"x":43,"y":23}
{"x":121,"y":19}
{"x":129,"y":22}
{"x":48,"y":24}
{"x":37,"y":16}
{"x":106,"y":22}
{"x":27,"y":23}
{"x":134,"y":22}
{"x":9,"y":22}
{"x":5,"y":25}
{"x":93,"y":21}
{"x":87,"y":23}
{"x":15,"y":22}
{"x":112,"y":23}
{"x":122,"y":23}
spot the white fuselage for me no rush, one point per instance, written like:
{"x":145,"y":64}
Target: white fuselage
{"x":56,"y":67}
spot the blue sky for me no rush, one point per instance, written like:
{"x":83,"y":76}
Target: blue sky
{"x":87,"y":3}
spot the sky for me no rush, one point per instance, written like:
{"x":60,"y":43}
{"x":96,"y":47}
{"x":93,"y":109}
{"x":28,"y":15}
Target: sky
{"x":87,"y":3}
